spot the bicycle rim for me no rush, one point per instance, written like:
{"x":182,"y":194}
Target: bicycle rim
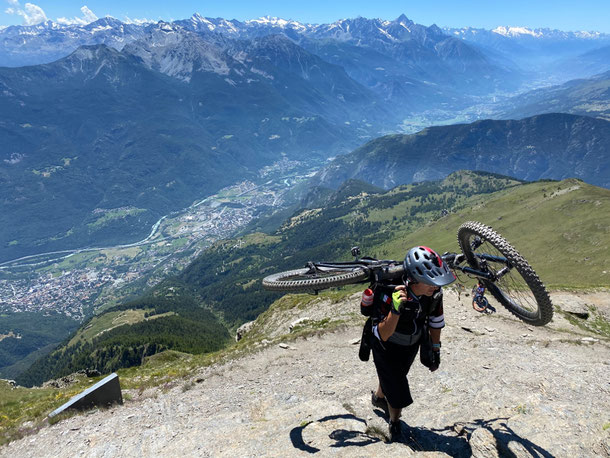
{"x":479,"y":305}
{"x":520,"y":290}
{"x":306,"y":280}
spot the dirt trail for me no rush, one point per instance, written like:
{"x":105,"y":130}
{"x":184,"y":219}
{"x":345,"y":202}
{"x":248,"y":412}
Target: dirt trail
{"x":503,"y":389}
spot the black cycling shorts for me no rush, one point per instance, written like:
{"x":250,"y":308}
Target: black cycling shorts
{"x":393,"y":362}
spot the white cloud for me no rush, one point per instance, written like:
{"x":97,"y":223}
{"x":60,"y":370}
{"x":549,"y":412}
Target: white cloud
{"x":31,"y":14}
{"x":88,"y":17}
{"x":88,"y":14}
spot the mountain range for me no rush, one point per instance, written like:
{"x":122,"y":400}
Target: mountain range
{"x":556,"y":146}
{"x":103,"y":142}
{"x":529,"y":49}
{"x":417,"y":66}
{"x":171,"y":118}
{"x":48,"y":41}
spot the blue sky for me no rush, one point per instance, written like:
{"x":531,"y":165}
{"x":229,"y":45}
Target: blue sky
{"x":559,"y":14}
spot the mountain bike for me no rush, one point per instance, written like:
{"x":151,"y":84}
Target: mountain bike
{"x":479,"y":301}
{"x":485,"y":255}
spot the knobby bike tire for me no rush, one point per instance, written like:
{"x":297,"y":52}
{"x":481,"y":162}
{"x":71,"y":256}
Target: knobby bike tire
{"x":480,"y":305}
{"x":520,"y":291}
{"x":303,"y":281}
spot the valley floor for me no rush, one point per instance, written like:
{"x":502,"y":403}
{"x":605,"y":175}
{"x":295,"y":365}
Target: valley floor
{"x":503,"y":389}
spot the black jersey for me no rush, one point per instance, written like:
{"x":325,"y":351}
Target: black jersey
{"x":417,"y":313}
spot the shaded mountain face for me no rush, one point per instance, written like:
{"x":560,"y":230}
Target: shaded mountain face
{"x":553,"y":146}
{"x":150,"y":129}
{"x":589,"y":97}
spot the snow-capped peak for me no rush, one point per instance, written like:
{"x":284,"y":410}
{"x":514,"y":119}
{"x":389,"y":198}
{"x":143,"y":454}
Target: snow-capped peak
{"x":516,"y":31}
{"x":276,"y":21}
{"x":197,"y":19}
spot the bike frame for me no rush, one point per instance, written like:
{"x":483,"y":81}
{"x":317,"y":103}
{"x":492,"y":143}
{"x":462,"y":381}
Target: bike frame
{"x":376,"y":269}
{"x":484,"y":258}
{"x":386,"y":269}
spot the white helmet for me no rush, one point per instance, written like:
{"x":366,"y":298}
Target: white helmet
{"x":424,"y":265}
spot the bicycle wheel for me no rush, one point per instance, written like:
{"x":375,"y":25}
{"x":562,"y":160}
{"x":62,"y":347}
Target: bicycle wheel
{"x":305,"y":280}
{"x":520,"y":290}
{"x":480,"y":304}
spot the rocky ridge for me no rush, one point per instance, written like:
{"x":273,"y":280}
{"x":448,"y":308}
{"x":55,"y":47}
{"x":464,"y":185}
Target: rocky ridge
{"x":503,"y":389}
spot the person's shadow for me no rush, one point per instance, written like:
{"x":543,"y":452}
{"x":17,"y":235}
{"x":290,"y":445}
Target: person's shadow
{"x":425,"y":440}
{"x":342,"y":437}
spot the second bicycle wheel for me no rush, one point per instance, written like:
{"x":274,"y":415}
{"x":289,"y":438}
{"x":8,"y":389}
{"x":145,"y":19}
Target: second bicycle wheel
{"x":307,"y":280}
{"x":480,"y":304}
{"x":518,"y":289}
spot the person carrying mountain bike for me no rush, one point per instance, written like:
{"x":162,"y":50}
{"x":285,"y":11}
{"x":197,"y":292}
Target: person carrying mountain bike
{"x":403,"y":317}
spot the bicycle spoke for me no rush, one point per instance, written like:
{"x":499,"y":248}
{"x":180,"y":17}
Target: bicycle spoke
{"x":510,"y":282}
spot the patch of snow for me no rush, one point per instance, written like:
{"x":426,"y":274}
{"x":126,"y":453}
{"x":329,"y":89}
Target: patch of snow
{"x":275,"y":21}
{"x":274,"y":137}
{"x":100,"y":29}
{"x":136,"y":21}
{"x":240,"y":56}
{"x":516,"y":31}
{"x":15,"y":158}
{"x":198,"y":19}
{"x":590,"y":35}
{"x":384,"y":32}
{"x":261,"y":73}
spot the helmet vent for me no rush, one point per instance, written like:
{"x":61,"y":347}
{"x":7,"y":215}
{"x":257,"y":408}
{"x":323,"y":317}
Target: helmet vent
{"x":422,"y":264}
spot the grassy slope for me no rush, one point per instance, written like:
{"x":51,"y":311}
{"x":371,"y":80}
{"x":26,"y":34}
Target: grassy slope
{"x":561,"y":228}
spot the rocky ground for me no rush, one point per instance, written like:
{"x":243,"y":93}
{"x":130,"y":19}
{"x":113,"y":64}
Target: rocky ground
{"x":503,"y":389}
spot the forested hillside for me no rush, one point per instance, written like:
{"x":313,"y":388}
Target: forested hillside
{"x":166,"y":322}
